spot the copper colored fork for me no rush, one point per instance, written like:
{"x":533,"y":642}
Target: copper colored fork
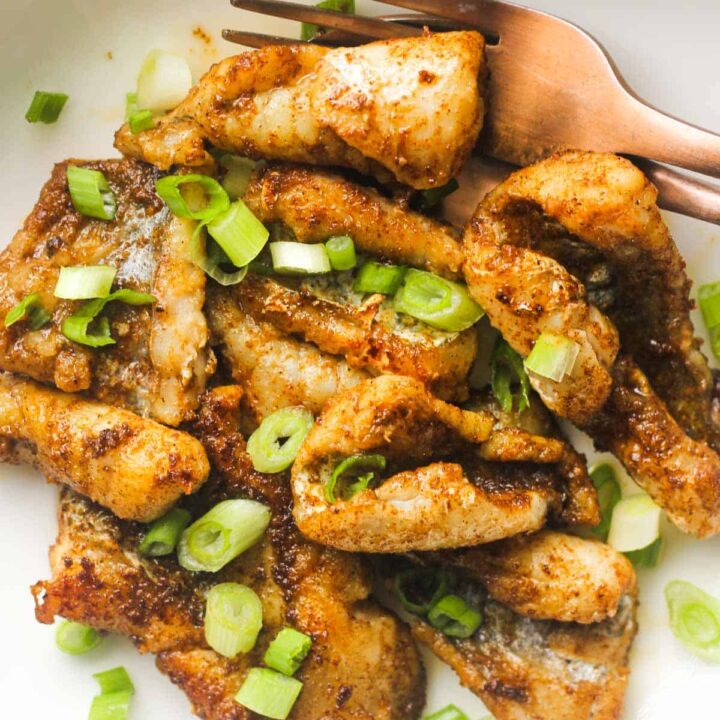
{"x":551,"y":86}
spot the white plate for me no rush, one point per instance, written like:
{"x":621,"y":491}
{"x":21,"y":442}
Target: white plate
{"x":91,"y":50}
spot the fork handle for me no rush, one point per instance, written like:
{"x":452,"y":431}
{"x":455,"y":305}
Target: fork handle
{"x":645,"y":131}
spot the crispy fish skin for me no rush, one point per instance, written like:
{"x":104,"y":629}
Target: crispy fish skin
{"x":316,"y":204}
{"x":550,"y":575}
{"x":134,"y":466}
{"x":274,"y":370}
{"x":430,"y":500}
{"x":421,"y":101}
{"x":159,"y":364}
{"x":526,"y":292}
{"x":363,"y":663}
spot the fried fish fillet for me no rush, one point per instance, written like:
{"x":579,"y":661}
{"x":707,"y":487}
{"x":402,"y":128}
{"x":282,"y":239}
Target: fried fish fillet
{"x":160,"y":362}
{"x":363,"y":664}
{"x":410,"y":108}
{"x":452,"y":478}
{"x":593,"y":218}
{"x":134,"y":466}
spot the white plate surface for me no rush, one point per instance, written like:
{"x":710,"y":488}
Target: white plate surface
{"x":91,"y":49}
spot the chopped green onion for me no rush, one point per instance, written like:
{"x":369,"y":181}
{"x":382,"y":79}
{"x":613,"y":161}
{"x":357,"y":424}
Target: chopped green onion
{"x":233,"y":619}
{"x":360,"y":468}
{"x":553,"y":356}
{"x":269,"y":693}
{"x":90,"y":193}
{"x":223,"y":533}
{"x":163,"y":535}
{"x":309,"y":30}
{"x":294,"y":258}
{"x":287,"y":651}
{"x":418,"y":589}
{"x":239,"y":233}
{"x":237,"y":176}
{"x":163,"y":82}
{"x":210,"y":257}
{"x":131,"y":105}
{"x":608,"y":492}
{"x":115,"y":680}
{"x":341,"y":252}
{"x":508,"y":371}
{"x":451,"y":712}
{"x":111,"y":706}
{"x":46,"y":107}
{"x":647,"y":557}
{"x":140,"y":121}
{"x":635,"y":523}
{"x":30,"y":309}
{"x":84,"y":282}
{"x":694,"y":618}
{"x":454,"y":617}
{"x":709,"y":301}
{"x":440,"y":303}
{"x":374,"y":277}
{"x":274,"y":445}
{"x":75,"y":639}
{"x":207,"y":194}
{"x":84,"y":326}
{"x":434,"y":196}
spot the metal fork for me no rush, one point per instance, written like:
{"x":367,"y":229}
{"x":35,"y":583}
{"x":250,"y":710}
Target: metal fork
{"x":551,"y":86}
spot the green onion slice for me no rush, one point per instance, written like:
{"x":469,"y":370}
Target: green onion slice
{"x":140,"y":120}
{"x":46,"y":107}
{"x":211,"y":258}
{"x":450,"y":712}
{"x":205,"y":194}
{"x":694,"y":618}
{"x":635,"y":523}
{"x":309,"y":30}
{"x":75,"y":639}
{"x":163,"y":535}
{"x":163,"y":82}
{"x":608,"y":492}
{"x":131,"y":104}
{"x":354,"y":474}
{"x":647,"y":557}
{"x":84,"y":282}
{"x":294,"y":258}
{"x":454,"y":617}
{"x":115,"y":680}
{"x":111,"y":706}
{"x":287,"y":651}
{"x":434,"y":196}
{"x":90,"y":193}
{"x":237,"y":174}
{"x":553,"y":356}
{"x":239,"y":233}
{"x":374,"y":277}
{"x":341,"y":252}
{"x":86,"y":328}
{"x":709,"y":301}
{"x":233,"y":619}
{"x":223,"y":533}
{"x":31,"y":309}
{"x":507,"y":373}
{"x":418,"y":589}
{"x":275,"y":444}
{"x":440,"y":303}
{"x":269,"y":693}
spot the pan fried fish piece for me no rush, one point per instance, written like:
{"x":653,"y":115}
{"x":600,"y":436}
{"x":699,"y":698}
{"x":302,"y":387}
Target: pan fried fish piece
{"x":134,"y":466}
{"x":316,"y":205}
{"x":452,"y":479}
{"x":549,"y":575}
{"x":160,"y":362}
{"x":363,"y":663}
{"x":405,"y":108}
{"x":274,"y":369}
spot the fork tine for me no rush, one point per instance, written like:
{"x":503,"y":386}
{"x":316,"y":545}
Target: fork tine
{"x":328,"y":18}
{"x":258,"y":40}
